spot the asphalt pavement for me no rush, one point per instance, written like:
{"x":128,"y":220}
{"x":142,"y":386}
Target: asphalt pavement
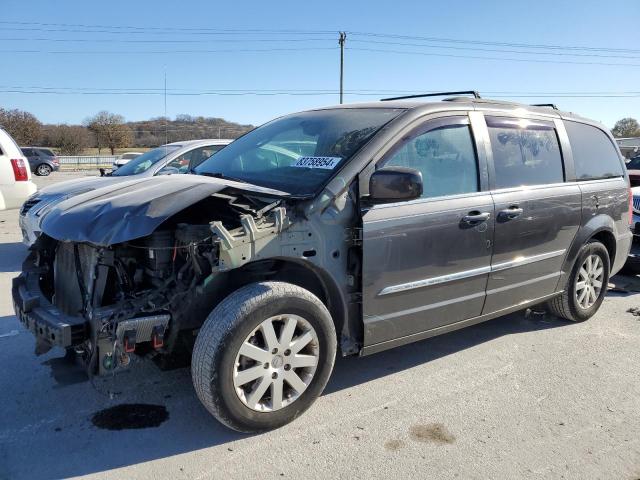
{"x":523,"y":396}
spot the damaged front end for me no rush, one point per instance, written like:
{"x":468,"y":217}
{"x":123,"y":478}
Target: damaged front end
{"x":148,"y":294}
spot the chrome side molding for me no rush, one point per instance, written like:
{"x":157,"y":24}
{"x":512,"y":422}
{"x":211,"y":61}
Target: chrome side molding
{"x":427,"y":282}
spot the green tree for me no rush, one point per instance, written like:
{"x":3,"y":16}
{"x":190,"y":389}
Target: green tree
{"x":626,"y":127}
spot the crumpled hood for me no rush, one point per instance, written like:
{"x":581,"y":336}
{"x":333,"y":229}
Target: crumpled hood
{"x":132,"y":209}
{"x":70,"y":187}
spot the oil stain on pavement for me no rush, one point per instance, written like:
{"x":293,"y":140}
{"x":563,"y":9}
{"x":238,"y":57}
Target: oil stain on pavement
{"x":431,"y":432}
{"x":130,"y":416}
{"x":394,"y":445}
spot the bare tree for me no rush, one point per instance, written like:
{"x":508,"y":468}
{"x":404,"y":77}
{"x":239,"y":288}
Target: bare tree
{"x":68,"y":139}
{"x":23,"y":126}
{"x":110,"y":130}
{"x":626,"y":127}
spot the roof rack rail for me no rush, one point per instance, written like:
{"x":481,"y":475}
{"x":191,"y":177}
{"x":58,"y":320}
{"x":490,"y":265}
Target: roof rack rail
{"x":550,"y":105}
{"x":438,"y":94}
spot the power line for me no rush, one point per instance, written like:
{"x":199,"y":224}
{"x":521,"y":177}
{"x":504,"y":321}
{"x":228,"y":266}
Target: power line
{"x":166,"y":52}
{"x":501,"y":44}
{"x":165,"y":29}
{"x":135,"y":29}
{"x":505,"y":59}
{"x":161,"y":41}
{"x":298,"y":40}
{"x":495,"y":50}
{"x":318,"y":93}
{"x":167,"y":32}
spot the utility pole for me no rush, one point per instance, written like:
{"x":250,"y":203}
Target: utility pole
{"x":341,"y":40}
{"x":166,"y":125}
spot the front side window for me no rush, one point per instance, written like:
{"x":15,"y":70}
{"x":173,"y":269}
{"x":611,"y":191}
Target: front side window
{"x":188,"y":160}
{"x":446,"y":158}
{"x":594,"y":155}
{"x":298,"y":153}
{"x":145,"y":162}
{"x":524,"y":152}
{"x":202,"y":154}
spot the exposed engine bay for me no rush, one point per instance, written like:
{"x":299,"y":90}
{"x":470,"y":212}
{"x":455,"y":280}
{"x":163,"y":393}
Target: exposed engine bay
{"x":151,"y":294}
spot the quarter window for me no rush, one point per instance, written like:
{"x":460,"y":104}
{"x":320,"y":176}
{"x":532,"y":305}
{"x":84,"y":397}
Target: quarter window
{"x":446,"y":158}
{"x":524,"y":152}
{"x":594,"y":155}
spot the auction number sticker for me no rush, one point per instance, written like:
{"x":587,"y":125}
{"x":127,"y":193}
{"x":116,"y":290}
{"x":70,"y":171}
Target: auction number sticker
{"x":327,"y":163}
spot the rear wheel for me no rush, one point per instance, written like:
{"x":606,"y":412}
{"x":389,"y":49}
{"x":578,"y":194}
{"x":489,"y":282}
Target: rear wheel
{"x":263,"y":356}
{"x":43,"y":170}
{"x":586,"y":286}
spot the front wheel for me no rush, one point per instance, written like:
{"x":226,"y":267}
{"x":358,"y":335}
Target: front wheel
{"x":263,"y":356}
{"x":586,"y":286}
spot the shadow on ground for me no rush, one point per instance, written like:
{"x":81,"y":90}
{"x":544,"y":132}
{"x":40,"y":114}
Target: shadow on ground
{"x":189,"y":427}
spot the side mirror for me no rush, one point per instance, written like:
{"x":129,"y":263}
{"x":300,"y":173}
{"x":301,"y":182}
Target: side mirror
{"x":395,"y":184}
{"x":168,"y":171}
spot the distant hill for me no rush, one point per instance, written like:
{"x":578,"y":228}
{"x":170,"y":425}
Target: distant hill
{"x":151,"y":133}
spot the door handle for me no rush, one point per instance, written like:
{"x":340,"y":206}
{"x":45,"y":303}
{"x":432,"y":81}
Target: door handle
{"x":510,"y":213}
{"x":473,"y":218}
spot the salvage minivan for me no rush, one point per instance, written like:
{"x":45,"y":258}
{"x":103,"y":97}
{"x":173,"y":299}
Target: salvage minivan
{"x":401,"y":220}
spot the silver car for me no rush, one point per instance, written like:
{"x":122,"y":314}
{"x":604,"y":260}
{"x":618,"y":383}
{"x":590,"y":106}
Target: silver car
{"x":173,"y":158}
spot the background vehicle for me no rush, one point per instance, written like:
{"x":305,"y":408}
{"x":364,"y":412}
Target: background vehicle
{"x":15,"y":175}
{"x":409,"y":220}
{"x":633,"y":262}
{"x":41,"y":160}
{"x":633,"y":167}
{"x":124,"y":159}
{"x":173,"y":158}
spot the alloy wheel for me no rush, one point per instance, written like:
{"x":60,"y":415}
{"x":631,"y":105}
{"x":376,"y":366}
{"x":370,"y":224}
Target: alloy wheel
{"x":589,"y":281}
{"x":276,"y":363}
{"x":44,"y":170}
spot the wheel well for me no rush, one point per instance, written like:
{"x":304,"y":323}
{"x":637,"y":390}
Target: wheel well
{"x":306,"y":276}
{"x":609,"y":241}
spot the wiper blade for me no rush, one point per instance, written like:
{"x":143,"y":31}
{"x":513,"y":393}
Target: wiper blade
{"x":222,"y":175}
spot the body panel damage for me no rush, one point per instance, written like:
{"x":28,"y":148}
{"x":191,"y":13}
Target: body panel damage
{"x":131,"y":209}
{"x":137,"y":267}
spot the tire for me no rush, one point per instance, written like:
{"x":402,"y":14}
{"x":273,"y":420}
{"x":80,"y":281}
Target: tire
{"x":43,"y":170}
{"x":568,"y":305}
{"x":240,"y":320}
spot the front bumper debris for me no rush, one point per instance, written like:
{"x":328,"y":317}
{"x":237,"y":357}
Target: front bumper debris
{"x":43,"y":319}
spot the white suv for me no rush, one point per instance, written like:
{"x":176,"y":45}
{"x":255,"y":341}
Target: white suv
{"x":15,"y":175}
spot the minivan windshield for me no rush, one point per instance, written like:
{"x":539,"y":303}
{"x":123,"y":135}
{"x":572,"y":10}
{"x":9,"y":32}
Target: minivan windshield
{"x":146,"y":161}
{"x":298,"y":153}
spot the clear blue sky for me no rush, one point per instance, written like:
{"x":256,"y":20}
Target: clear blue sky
{"x":29,"y":54}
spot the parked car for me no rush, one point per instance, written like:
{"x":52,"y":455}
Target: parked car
{"x":633,"y":262}
{"x":15,"y":177}
{"x":409,"y":220}
{"x":633,"y":168}
{"x":175,"y":157}
{"x":124,"y":159}
{"x":41,"y":160}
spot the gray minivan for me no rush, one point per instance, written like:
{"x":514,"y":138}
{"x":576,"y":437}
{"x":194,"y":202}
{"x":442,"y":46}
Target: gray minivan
{"x":400,"y":220}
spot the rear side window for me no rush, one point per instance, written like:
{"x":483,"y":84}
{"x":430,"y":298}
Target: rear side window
{"x":525,"y":152}
{"x":594,"y":155}
{"x":28,"y":152}
{"x":446,"y":158}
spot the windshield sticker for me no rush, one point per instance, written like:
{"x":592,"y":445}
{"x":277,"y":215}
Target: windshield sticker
{"x":327,"y":163}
